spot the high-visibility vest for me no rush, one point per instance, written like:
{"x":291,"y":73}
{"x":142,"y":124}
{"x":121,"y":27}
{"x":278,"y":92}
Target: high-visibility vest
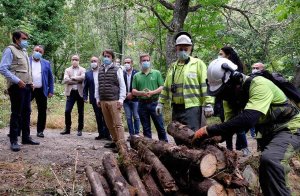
{"x":190,"y":84}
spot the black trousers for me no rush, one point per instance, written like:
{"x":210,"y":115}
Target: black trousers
{"x":41,"y":102}
{"x":102,"y":128}
{"x":274,"y":162}
{"x":74,"y":97}
{"x":20,"y":112}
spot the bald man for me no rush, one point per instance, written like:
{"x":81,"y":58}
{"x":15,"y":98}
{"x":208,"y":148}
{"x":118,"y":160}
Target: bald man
{"x":257,"y":67}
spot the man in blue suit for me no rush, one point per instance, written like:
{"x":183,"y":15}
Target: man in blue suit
{"x":89,"y":91}
{"x":43,"y":85}
{"x":131,"y":102}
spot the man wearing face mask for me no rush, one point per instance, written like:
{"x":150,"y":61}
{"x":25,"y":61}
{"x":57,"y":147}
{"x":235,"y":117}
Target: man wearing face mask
{"x":73,"y":80}
{"x":91,"y":77}
{"x":147,"y":85}
{"x":110,"y":93}
{"x":131,"y":102}
{"x":43,"y":85}
{"x":257,"y":67}
{"x":185,"y":86}
{"x":15,"y":68}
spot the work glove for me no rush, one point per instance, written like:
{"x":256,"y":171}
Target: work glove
{"x":208,"y":110}
{"x":159,"y":109}
{"x":199,"y":135}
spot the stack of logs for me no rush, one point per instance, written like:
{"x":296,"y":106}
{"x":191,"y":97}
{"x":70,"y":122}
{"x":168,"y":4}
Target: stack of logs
{"x":158,"y":168}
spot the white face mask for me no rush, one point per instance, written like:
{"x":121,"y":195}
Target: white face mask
{"x":255,"y":70}
{"x":94,"y":65}
{"x":127,"y":66}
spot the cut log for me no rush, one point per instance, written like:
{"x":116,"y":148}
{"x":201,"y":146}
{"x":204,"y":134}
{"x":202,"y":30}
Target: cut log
{"x":105,"y":184}
{"x":119,"y":185}
{"x":95,"y":181}
{"x":221,"y":159}
{"x":163,"y":175}
{"x":150,"y":185}
{"x":180,"y":156}
{"x":180,"y":133}
{"x":209,"y":187}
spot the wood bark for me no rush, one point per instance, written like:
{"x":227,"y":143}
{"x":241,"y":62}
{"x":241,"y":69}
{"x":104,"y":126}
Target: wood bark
{"x":181,"y":133}
{"x":105,"y":184}
{"x":209,"y":187}
{"x":205,"y":160}
{"x":150,"y":184}
{"x":163,"y":175}
{"x":130,"y":170}
{"x":95,"y":181}
{"x":119,"y":185}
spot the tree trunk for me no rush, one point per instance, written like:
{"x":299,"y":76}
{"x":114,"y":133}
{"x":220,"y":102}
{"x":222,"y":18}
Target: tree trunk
{"x":209,"y":187}
{"x":115,"y":179}
{"x":145,"y":173}
{"x":166,"y":180}
{"x":181,"y":133}
{"x":128,"y":166}
{"x":296,"y":80}
{"x":207,"y":162}
{"x":179,"y":15}
{"x":95,"y":182}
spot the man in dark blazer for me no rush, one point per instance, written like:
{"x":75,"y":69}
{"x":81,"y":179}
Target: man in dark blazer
{"x":43,"y":85}
{"x":131,"y":102}
{"x":89,"y":91}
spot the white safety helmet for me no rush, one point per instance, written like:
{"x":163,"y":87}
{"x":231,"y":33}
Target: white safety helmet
{"x":183,"y":39}
{"x":217,"y":75}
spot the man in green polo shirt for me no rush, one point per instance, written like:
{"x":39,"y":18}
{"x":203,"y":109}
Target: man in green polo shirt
{"x":147,"y":85}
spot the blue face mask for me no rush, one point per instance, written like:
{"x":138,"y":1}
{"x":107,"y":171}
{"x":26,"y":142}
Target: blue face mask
{"x":24,"y":44}
{"x":182,"y":55}
{"x":106,"y":61}
{"x":145,"y":65}
{"x":36,"y":55}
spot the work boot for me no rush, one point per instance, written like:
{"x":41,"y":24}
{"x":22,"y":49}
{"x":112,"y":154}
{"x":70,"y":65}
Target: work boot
{"x":110,"y":145}
{"x":30,"y":141}
{"x":40,"y":134}
{"x":65,"y":132}
{"x":14,"y":146}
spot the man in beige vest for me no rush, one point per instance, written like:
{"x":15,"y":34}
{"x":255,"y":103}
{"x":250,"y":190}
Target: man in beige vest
{"x":15,"y":68}
{"x":73,"y":80}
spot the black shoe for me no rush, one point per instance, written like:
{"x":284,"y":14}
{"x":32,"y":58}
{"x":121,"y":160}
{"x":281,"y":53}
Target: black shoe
{"x":40,"y":134}
{"x":114,"y":150}
{"x":65,"y":132}
{"x":99,"y":137}
{"x":110,"y":145}
{"x":30,"y":142}
{"x":108,"y":138}
{"x":79,"y":133}
{"x":15,"y":147}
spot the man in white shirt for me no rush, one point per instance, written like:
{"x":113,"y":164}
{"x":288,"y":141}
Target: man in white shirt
{"x":110,"y":92}
{"x":73,"y":80}
{"x":43,"y":85}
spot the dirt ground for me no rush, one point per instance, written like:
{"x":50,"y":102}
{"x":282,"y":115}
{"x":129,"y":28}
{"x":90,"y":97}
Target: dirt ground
{"x":49,"y":169}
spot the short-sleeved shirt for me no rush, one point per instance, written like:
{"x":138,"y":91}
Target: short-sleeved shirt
{"x":149,"y":82}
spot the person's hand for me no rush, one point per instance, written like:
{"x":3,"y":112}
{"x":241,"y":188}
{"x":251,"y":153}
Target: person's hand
{"x":129,"y":96}
{"x":149,"y":93}
{"x":98,"y":104}
{"x":21,"y":84}
{"x":200,"y":134}
{"x":159,"y":109}
{"x":208,"y":110}
{"x":119,"y":104}
{"x":50,"y":95}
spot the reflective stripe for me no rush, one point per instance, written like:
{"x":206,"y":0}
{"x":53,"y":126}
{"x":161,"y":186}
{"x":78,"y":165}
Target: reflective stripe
{"x":177,"y":94}
{"x":195,"y":86}
{"x":164,"y":96}
{"x":166,"y":88}
{"x":179,"y":85}
{"x":192,"y":96}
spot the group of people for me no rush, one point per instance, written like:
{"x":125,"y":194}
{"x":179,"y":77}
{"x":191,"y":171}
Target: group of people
{"x":245,"y":102}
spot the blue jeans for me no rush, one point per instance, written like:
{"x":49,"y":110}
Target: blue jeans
{"x":147,"y":110}
{"x":252,"y":131}
{"x":131,"y":110}
{"x":241,"y":141}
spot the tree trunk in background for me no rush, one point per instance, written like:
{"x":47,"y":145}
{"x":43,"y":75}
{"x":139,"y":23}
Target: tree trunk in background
{"x":296,"y":80}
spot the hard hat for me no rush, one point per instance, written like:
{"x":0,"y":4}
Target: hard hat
{"x":218,"y":75}
{"x":183,"y":39}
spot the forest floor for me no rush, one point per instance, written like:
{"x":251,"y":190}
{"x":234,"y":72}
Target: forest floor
{"x":49,"y":168}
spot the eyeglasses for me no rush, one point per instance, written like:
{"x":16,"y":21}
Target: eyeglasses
{"x":75,"y":59}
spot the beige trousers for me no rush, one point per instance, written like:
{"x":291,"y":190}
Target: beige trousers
{"x":113,"y":119}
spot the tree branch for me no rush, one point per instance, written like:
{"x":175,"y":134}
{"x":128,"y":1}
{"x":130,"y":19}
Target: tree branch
{"x":195,"y":8}
{"x":167,"y":4}
{"x":111,"y":7}
{"x":243,"y":12}
{"x":157,"y":15}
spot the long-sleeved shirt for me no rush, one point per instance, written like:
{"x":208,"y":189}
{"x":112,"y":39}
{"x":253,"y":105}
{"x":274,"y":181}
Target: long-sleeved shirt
{"x":5,"y":64}
{"x":122,"y":85}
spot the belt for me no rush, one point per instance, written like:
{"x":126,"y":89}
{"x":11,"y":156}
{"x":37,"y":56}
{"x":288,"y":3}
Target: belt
{"x":148,"y":100}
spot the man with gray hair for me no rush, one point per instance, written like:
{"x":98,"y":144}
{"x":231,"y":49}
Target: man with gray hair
{"x":257,"y":67}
